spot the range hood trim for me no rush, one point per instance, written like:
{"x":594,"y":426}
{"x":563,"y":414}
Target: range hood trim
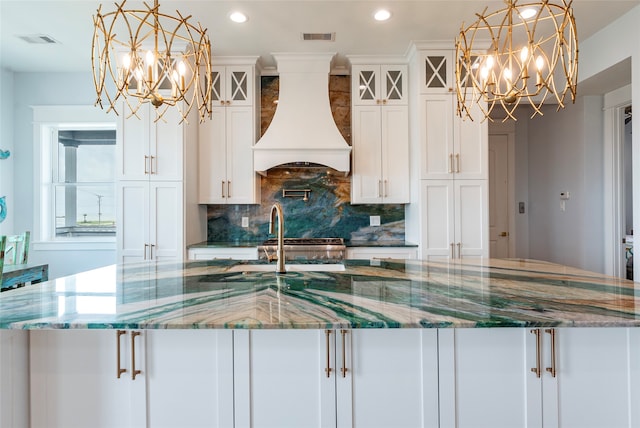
{"x":303,"y":128}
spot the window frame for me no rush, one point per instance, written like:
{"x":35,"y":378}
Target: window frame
{"x":44,"y":119}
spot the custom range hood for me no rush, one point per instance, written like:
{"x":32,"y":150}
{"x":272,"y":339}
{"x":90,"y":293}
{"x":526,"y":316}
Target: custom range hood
{"x":302,"y":129}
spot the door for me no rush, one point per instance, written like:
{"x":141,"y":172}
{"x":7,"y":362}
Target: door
{"x":133,"y":221}
{"x":212,"y":158}
{"x":190,"y":378}
{"x":438,"y":231}
{"x":241,"y":176}
{"x":281,"y":379}
{"x":366,"y":156}
{"x":132,"y":144}
{"x":165,"y":221}
{"x":391,"y":378}
{"x":75,"y":384}
{"x":395,"y":155}
{"x":486,"y":379}
{"x":499,"y":196}
{"x":594,"y":376}
{"x":437,"y":161}
{"x":471,"y":218}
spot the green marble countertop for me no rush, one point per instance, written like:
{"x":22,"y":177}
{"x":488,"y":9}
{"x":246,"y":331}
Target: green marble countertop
{"x":347,"y":243}
{"x":367,"y":294}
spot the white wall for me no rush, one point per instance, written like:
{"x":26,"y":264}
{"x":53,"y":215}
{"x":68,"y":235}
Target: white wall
{"x":6,"y":143}
{"x":46,"y":89}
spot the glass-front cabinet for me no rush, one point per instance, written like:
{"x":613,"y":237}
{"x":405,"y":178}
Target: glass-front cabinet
{"x":379,"y":84}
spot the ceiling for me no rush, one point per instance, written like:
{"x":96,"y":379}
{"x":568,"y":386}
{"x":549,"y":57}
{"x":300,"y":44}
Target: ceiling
{"x":273,"y":26}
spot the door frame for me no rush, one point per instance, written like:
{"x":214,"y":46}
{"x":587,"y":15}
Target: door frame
{"x":508,"y":128}
{"x":614,"y":205}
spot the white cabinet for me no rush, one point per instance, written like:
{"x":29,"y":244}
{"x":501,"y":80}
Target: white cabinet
{"x":452,"y":147}
{"x":148,"y":149}
{"x":372,"y":253}
{"x":436,"y":70}
{"x":84,"y":378}
{"x":232,"y":85}
{"x":150,"y":221}
{"x":233,"y":253}
{"x":373,"y":84}
{"x":489,"y":378}
{"x":227,"y":175}
{"x":183,"y":378}
{"x":455,"y":218}
{"x":329,"y":378}
{"x":225,"y":158}
{"x":380,"y":155}
{"x":14,"y":379}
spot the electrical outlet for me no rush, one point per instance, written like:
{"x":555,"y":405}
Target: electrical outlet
{"x":245,"y":221}
{"x":374,"y":220}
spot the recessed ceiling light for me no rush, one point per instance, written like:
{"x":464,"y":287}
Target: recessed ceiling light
{"x":238,"y":17}
{"x":528,"y":12}
{"x":382,"y":15}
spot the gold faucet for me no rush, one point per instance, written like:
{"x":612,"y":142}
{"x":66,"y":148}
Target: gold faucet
{"x":277,"y":209}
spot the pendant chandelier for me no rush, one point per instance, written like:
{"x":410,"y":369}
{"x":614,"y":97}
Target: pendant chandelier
{"x":524,"y":53}
{"x":144,"y":56}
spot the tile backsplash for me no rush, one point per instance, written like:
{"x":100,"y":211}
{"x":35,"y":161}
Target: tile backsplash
{"x":328,"y":212}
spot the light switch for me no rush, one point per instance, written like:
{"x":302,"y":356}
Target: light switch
{"x":245,"y":221}
{"x":374,"y":220}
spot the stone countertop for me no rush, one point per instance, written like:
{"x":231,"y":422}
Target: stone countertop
{"x":348,"y":243}
{"x":387,"y":294}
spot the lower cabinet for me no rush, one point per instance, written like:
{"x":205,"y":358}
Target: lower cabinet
{"x":14,"y":372}
{"x":125,"y":378}
{"x":344,"y":378}
{"x":566,"y":377}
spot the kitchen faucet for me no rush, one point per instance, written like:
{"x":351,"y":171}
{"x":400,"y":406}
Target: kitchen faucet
{"x":277,"y":209}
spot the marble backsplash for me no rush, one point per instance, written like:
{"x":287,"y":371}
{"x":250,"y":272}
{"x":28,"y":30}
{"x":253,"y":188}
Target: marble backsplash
{"x":328,"y":212}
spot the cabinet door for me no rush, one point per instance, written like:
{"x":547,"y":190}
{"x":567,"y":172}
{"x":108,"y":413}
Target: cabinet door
{"x":243,"y":184}
{"x":165,"y":221}
{"x":438,"y":227}
{"x":239,"y":85}
{"x":132,"y":227}
{"x":486,"y":379}
{"x":393,"y":81}
{"x":391,"y":378}
{"x":14,"y":379}
{"x":471,"y":218}
{"x":166,"y":147}
{"x":437,"y":161}
{"x":74,"y":380}
{"x":366,"y":181}
{"x":212,"y":158}
{"x":436,"y":72}
{"x":471,"y":151}
{"x":280,"y":379}
{"x":395,"y":155}
{"x":593,"y":378}
{"x":190,"y":378}
{"x":132,"y":145}
{"x":365,"y":85}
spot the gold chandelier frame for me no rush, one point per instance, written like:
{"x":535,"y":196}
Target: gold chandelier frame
{"x":145,"y":56}
{"x":507,"y":57}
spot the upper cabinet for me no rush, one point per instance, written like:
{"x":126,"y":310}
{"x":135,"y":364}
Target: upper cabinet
{"x":436,"y":72}
{"x":148,"y":149}
{"x":232,"y":85}
{"x":225,"y":154}
{"x":379,"y":84}
{"x":380,"y":129}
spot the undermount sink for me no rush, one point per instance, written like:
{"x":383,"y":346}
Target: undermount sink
{"x":294,"y":267}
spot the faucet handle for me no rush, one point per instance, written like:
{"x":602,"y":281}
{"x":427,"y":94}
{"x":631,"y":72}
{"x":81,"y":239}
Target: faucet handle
{"x":270,"y":257}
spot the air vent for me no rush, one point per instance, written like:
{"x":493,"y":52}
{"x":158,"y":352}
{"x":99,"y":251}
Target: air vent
{"x":38,"y":39}
{"x":326,"y":37}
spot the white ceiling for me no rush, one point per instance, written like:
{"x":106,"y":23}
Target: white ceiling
{"x":273,"y":26}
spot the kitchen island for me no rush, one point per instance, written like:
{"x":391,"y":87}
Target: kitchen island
{"x":470,"y":343}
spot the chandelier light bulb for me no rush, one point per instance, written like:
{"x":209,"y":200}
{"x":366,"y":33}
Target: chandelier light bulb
{"x":126,"y":61}
{"x":524,"y":54}
{"x":539,"y":63}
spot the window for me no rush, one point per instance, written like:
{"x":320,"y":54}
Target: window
{"x":83,"y":173}
{"x":76,"y":198}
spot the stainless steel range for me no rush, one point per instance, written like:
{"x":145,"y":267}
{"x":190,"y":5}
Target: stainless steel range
{"x":329,"y":249}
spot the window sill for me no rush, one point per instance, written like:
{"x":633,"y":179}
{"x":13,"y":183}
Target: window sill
{"x":75,"y":245}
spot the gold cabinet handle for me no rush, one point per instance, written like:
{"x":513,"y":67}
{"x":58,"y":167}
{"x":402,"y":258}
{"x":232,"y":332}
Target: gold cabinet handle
{"x":504,"y":234}
{"x":384,"y":101}
{"x":145,"y":252}
{"x":146,"y":158}
{"x":328,"y":369}
{"x":459,"y":254}
{"x":457,"y":162}
{"x":453,"y":254}
{"x":536,"y":369}
{"x":151,"y":251}
{"x":134,"y":372}
{"x":119,"y":369}
{"x":386,"y":188}
{"x":552,"y":369}
{"x":343,"y":370}
{"x":228,"y":189}
{"x":379,"y":188}
{"x":222,"y":189}
{"x":151,"y":158}
{"x":450,"y":163}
